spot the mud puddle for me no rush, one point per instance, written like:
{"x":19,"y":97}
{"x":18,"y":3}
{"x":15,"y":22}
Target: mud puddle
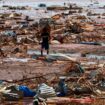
{"x":36,"y":52}
{"x":16,"y":59}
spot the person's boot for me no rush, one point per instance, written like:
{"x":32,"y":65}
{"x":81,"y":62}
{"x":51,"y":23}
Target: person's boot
{"x":41,"y":52}
{"x":47,"y":52}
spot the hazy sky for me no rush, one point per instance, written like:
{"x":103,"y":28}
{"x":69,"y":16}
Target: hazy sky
{"x":49,"y":2}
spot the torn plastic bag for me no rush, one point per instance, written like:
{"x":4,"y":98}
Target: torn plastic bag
{"x":45,"y":91}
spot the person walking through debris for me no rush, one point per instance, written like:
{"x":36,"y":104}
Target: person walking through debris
{"x":45,"y":36}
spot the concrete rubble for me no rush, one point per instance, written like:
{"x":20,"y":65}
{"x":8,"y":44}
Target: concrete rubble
{"x":73,"y":73}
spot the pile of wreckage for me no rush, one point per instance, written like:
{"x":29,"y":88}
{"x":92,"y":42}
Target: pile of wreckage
{"x":74,"y":85}
{"x":75,"y":29}
{"x":13,"y":26}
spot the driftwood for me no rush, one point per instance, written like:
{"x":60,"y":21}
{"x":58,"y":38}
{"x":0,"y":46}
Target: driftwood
{"x":67,"y":100}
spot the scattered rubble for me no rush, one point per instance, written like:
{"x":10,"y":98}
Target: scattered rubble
{"x":73,"y":72}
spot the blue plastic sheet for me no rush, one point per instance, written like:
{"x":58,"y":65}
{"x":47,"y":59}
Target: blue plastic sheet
{"x":27,"y":92}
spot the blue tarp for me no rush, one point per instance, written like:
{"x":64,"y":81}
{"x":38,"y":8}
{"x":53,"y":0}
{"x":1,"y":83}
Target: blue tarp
{"x":26,"y":91}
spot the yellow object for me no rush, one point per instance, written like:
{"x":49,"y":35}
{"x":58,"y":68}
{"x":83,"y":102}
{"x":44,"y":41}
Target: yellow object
{"x":56,"y":17}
